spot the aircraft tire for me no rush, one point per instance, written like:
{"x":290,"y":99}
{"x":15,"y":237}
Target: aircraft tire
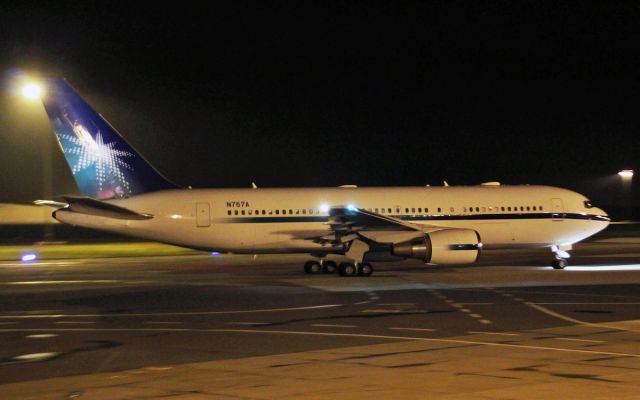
{"x":365,"y":269}
{"x":559,"y":264}
{"x":347,"y":269}
{"x":329,"y":267}
{"x":312,"y":267}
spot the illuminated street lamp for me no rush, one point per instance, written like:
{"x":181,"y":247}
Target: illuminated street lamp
{"x":32,"y":91}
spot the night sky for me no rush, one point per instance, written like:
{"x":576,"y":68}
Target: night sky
{"x":330,"y":93}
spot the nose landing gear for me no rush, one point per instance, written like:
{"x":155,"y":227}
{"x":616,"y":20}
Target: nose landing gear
{"x":562,"y":255}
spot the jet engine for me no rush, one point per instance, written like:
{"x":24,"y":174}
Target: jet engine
{"x":446,"y":246}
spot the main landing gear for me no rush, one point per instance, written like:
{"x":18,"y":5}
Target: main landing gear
{"x":561,"y":253}
{"x":344,"y":268}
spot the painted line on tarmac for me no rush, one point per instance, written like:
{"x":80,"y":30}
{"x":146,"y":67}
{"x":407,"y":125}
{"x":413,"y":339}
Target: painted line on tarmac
{"x":563,"y":317}
{"x":59,"y":282}
{"x":74,"y":322}
{"x":493,"y":333}
{"x":437,"y":340}
{"x":577,"y":321}
{"x":249,"y":323}
{"x":269,"y":310}
{"x":334,"y":326}
{"x":164,"y":322}
{"x":590,"y":295}
{"x":413,"y":329}
{"x":9,"y":323}
{"x":461,"y":307}
{"x":41,"y":336}
{"x":580,"y":340}
{"x":333,"y":334}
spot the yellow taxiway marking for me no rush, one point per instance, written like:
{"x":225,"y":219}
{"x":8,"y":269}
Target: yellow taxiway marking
{"x":338,"y":334}
{"x":335,"y":325}
{"x":580,"y":340}
{"x":493,"y":333}
{"x":413,"y":329}
{"x":269,"y":310}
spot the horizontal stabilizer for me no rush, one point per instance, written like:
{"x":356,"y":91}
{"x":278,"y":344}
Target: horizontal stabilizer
{"x":50,"y":203}
{"x":86,"y":205}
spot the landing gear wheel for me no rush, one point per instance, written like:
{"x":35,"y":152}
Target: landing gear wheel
{"x":312,"y":267}
{"x":365,"y":269}
{"x":559,"y":264}
{"x":347,"y":269}
{"x":329,"y":267}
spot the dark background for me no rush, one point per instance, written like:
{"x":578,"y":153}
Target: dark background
{"x":330,"y":93}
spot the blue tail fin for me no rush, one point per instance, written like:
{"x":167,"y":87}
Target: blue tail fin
{"x":103,"y":164}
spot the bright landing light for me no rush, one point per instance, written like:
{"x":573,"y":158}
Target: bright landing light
{"x":31,"y":91}
{"x":626,"y":173}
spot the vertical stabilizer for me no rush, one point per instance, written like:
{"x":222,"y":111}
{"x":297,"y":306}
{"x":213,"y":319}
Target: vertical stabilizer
{"x":103,"y":164}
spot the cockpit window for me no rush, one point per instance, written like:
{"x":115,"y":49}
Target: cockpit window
{"x":588,"y":204}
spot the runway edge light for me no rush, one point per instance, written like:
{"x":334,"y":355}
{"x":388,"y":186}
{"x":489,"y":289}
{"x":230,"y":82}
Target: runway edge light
{"x":28,"y":257}
{"x":626,"y":173}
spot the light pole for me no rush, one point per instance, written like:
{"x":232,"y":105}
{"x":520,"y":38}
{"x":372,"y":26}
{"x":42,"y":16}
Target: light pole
{"x":33,"y":91}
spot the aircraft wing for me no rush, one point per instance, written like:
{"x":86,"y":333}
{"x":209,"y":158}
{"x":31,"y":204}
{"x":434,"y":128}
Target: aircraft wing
{"x":87,"y":205}
{"x":349,"y":223}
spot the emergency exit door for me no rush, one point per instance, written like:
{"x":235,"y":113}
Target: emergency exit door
{"x":203,"y":215}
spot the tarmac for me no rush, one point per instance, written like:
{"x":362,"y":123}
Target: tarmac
{"x":201,"y":327}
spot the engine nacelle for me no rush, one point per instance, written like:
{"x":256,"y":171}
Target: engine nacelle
{"x":447,"y":246}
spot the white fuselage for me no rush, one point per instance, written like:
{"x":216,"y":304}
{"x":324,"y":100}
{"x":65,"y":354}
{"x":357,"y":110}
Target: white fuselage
{"x":253,"y":221}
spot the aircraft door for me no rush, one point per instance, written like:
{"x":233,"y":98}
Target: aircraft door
{"x":203,"y":218}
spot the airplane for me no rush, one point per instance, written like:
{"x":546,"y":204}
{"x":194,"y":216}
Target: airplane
{"x":449,"y":225}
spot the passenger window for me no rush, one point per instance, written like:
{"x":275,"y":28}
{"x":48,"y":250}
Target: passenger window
{"x":420,"y":209}
{"x":451,"y":209}
{"x":464,"y":209}
{"x":528,"y":208}
{"x":413,"y":211}
{"x":426,"y":210}
{"x":588,"y":204}
{"x":406,"y":211}
{"x":502,"y":208}
{"x":508,"y":208}
{"x":270,"y":212}
{"x":290,"y":212}
{"x":382,"y":211}
{"x":263,"y":212}
{"x":477,"y":209}
{"x":235,"y":212}
{"x":304,"y":211}
{"x":439,"y":209}
{"x":397,"y":211}
{"x":228,"y":212}
{"x":277,"y":212}
{"x":310,"y":211}
{"x":242,"y":212}
{"x":249,"y":212}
